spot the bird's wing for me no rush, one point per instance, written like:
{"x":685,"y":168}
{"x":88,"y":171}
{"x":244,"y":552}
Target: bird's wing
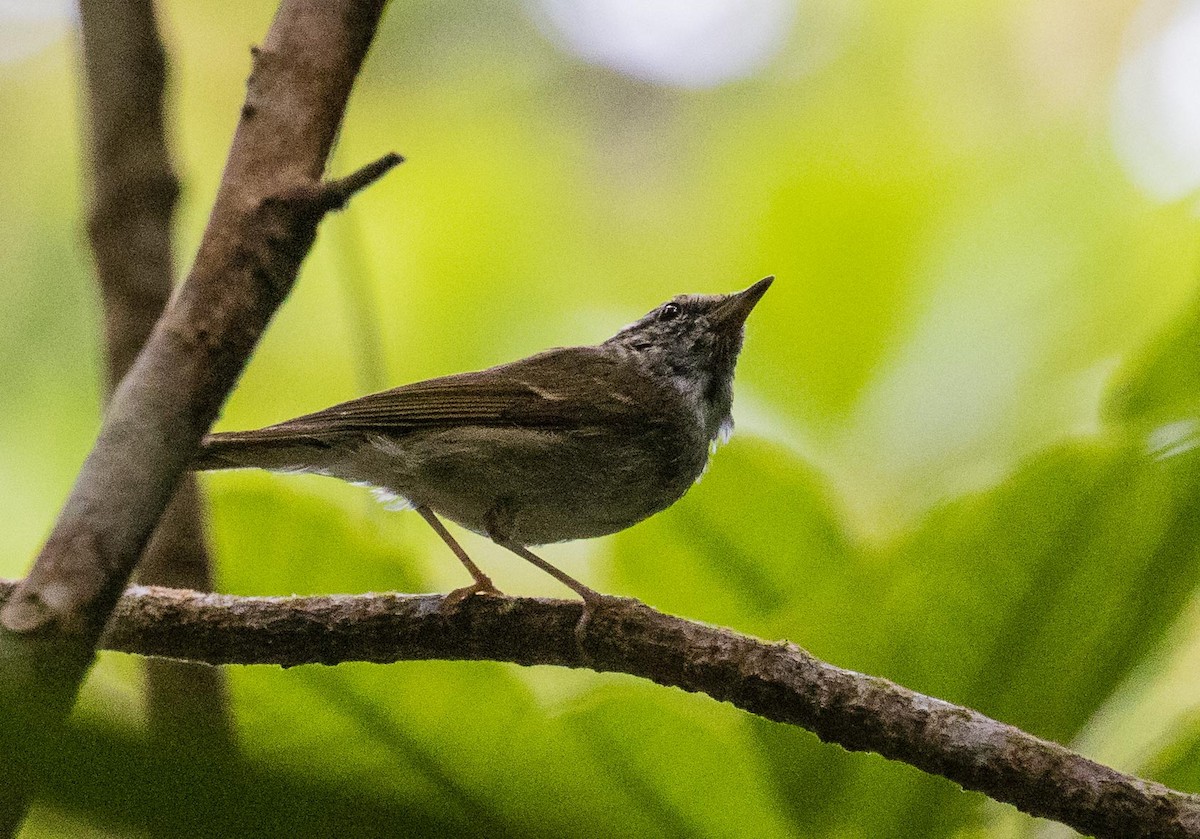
{"x":554,"y":389}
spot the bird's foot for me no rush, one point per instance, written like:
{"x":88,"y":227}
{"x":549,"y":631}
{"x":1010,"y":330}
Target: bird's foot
{"x":593,"y":603}
{"x":455,"y":598}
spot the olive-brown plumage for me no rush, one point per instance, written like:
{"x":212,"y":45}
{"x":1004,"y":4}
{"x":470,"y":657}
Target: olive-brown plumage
{"x":570,"y":443}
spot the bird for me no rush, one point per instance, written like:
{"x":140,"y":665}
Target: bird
{"x":570,"y":443}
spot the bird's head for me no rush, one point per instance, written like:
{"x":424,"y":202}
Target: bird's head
{"x":693,"y":342}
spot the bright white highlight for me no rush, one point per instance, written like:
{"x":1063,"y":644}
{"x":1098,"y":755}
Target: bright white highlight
{"x":1156,"y":109}
{"x":29,"y":26}
{"x":686,"y":43}
{"x":1173,"y":439}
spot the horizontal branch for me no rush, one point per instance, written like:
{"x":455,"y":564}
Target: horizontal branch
{"x":778,"y":681}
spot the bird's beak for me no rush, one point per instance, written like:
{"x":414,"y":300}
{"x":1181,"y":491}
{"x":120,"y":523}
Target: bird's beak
{"x":731,"y":314}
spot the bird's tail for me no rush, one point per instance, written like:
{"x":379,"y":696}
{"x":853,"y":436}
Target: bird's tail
{"x":260,"y":449}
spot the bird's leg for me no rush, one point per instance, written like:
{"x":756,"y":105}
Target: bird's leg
{"x":590,"y":596}
{"x":592,"y":599}
{"x":483,"y":583}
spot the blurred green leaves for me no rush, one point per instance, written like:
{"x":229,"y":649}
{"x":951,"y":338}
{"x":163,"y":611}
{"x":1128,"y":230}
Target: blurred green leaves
{"x":973,"y":398}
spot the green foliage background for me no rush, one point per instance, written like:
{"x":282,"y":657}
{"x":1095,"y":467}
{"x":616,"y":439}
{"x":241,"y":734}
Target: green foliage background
{"x":966,"y":412}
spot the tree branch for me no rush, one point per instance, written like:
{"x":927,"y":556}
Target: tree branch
{"x":130,"y":227}
{"x":261,"y":227}
{"x":262,"y":224}
{"x":778,"y":681}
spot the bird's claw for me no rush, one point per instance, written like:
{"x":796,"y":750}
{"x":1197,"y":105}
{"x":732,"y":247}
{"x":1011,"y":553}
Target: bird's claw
{"x":593,"y":602}
{"x":455,"y":598}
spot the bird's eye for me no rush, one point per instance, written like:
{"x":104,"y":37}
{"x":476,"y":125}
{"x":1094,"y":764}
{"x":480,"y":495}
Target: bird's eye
{"x":669,"y":311}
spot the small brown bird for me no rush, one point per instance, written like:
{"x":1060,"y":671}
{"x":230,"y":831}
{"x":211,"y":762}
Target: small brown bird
{"x":571,"y":443}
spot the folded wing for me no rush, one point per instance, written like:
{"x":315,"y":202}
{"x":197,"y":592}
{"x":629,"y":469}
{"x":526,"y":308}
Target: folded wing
{"x":555,"y":389}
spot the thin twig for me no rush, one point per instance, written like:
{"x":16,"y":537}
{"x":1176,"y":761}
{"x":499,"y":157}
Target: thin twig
{"x":337,"y":192}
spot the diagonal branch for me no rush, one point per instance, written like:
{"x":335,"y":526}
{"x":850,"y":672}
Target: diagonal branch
{"x":134,"y":191}
{"x":261,"y":227}
{"x":778,"y":681}
{"x":263,"y":222}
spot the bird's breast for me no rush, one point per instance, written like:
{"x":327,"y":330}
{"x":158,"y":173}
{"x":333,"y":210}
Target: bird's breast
{"x":536,"y":486}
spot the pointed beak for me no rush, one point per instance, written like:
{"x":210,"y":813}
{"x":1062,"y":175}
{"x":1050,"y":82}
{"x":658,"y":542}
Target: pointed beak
{"x":732,"y":313}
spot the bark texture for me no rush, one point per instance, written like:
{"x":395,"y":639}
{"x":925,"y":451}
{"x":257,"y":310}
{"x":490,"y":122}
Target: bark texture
{"x":778,"y":681}
{"x":134,"y":192}
{"x":263,"y":222}
{"x":262,"y":225}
